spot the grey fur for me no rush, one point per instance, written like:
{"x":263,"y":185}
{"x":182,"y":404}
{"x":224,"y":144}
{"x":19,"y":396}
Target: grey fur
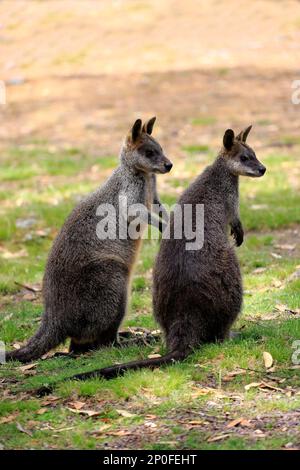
{"x":197,"y":295}
{"x":87,"y":280}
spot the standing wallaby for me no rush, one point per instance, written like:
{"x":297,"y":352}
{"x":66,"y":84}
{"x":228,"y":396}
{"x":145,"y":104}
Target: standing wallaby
{"x":197,"y":295}
{"x":87,"y":279}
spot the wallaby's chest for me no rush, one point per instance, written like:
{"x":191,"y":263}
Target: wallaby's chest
{"x":139,"y":192}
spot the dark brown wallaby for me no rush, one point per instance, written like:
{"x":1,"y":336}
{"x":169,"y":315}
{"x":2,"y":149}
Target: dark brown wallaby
{"x":87,"y":278}
{"x":197,"y":294}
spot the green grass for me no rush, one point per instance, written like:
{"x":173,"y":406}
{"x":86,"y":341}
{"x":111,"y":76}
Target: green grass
{"x":204,"y":121}
{"x":43,"y":183}
{"x":199,"y":148}
{"x":290,"y":140}
{"x":22,"y":163}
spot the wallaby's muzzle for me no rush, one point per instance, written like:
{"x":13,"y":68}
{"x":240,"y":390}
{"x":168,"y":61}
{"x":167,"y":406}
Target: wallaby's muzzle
{"x":262,"y":170}
{"x":168,"y":166}
{"x":165,"y":165}
{"x":257,"y":171}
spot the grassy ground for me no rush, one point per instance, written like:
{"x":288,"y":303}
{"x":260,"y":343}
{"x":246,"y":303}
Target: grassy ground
{"x":205,"y":402}
{"x":77,"y":74}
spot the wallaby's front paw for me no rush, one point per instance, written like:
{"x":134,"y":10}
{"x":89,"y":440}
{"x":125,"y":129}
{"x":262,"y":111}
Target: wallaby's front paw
{"x":238,"y":234}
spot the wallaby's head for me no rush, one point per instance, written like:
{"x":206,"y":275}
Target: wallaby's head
{"x":239,"y":157}
{"x":143,"y":153}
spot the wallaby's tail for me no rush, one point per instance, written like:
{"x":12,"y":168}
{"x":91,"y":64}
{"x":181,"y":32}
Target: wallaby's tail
{"x":120,"y":369}
{"x":114,"y":371}
{"x":45,"y":338}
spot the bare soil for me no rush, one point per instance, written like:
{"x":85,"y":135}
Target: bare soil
{"x":79,"y":72}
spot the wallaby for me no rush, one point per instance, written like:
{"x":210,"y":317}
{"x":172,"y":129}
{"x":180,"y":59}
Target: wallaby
{"x":87,"y":279}
{"x":197,"y":295}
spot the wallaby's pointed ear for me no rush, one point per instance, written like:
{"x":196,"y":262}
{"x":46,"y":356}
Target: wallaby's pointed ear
{"x":244,"y":134}
{"x":136,"y":130}
{"x":150,"y":124}
{"x":228,"y":139}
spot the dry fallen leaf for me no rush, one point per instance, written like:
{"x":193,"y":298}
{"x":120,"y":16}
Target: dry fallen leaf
{"x":48,"y":355}
{"x":268,"y":359}
{"x":238,"y":422}
{"x":42,"y":233}
{"x":31,"y":423}
{"x":88,"y":413}
{"x":21,"y":429}
{"x":77,"y":404}
{"x":100,"y":430}
{"x":49,"y":400}
{"x":41,"y":411}
{"x":8,"y":419}
{"x":281,"y":308}
{"x":270,"y":386}
{"x":17,"y":254}
{"x":285,"y":309}
{"x":29,"y":296}
{"x":253,"y":385}
{"x":276,"y":283}
{"x":286,"y":247}
{"x":276,"y":256}
{"x":28,"y":367}
{"x":295,"y":275}
{"x":230,"y":376}
{"x":125,"y":413}
{"x":219,"y":437}
{"x":198,"y":392}
{"x":150,"y":424}
{"x":118,"y":433}
{"x":153,"y":356}
{"x":259,"y":270}
{"x":258,"y":207}
{"x":8,"y":317}
{"x":64,"y":429}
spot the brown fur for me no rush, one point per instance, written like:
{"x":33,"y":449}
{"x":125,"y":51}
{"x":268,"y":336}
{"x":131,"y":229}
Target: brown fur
{"x":197,"y":295}
{"x":87,"y":279}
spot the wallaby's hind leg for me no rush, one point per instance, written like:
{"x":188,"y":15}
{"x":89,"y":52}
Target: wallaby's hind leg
{"x":101,"y":308}
{"x":104,"y":339}
{"x":78,"y":348}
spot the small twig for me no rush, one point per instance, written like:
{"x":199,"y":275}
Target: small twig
{"x":31,"y":289}
{"x":252,"y":370}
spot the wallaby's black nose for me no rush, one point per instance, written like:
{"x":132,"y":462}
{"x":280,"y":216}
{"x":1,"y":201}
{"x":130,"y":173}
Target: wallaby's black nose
{"x":262,"y":170}
{"x":168,"y":166}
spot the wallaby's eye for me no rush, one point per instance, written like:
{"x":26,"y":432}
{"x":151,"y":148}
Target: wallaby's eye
{"x":244,"y":158}
{"x":149,"y":153}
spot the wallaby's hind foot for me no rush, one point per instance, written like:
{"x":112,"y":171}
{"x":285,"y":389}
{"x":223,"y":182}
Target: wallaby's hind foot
{"x":135,"y":336}
{"x":105,"y":339}
{"x":79,"y":348}
{"x":68,"y":355}
{"x":42,"y":342}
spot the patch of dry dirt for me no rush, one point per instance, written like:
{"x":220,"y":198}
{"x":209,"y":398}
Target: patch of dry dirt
{"x":80,"y":72}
